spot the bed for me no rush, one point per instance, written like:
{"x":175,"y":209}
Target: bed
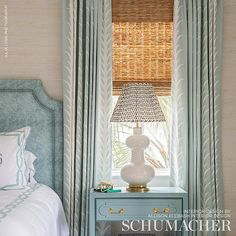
{"x":36,"y":209}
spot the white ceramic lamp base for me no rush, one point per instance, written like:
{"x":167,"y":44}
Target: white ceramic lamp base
{"x":137,"y":173}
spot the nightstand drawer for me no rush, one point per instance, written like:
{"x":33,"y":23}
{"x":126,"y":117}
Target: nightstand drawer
{"x":135,"y":209}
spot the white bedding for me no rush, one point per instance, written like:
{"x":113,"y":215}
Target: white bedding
{"x":34,"y":211}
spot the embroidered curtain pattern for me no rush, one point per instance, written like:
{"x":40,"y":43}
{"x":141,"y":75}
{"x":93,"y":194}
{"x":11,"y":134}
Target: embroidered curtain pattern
{"x":87,"y":106}
{"x":196,"y":145}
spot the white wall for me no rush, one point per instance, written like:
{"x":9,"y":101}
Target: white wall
{"x":229,"y":110}
{"x":34,"y":42}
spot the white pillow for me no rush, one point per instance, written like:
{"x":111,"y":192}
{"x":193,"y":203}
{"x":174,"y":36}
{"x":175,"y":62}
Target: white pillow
{"x":12,"y":164}
{"x":29,"y":158}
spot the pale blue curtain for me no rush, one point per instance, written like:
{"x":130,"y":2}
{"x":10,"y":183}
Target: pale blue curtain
{"x":87,"y":105}
{"x":196,"y":145}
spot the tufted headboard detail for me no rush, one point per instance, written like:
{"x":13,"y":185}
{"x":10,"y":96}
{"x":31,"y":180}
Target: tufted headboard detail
{"x":25,"y":103}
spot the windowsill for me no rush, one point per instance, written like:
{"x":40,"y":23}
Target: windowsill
{"x":161,"y":179}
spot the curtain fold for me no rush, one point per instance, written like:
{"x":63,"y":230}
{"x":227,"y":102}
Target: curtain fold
{"x":87,"y":79}
{"x":196,"y":137}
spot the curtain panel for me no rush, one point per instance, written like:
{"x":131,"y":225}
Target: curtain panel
{"x":87,"y":79}
{"x":196,"y":136}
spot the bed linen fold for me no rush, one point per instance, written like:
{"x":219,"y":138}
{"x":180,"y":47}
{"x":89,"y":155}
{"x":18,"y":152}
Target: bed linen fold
{"x":33,"y":211}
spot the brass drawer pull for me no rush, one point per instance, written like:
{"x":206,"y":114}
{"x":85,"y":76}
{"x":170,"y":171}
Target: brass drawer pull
{"x":155,"y":210}
{"x":166,"y":210}
{"x":121,"y":211}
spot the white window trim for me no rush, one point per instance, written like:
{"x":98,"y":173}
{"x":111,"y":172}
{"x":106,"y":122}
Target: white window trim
{"x":161,"y":179}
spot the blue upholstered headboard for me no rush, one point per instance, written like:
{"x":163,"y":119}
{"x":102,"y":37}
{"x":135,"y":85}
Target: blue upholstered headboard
{"x":25,"y":103}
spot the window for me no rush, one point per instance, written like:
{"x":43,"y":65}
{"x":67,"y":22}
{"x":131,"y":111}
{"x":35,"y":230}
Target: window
{"x":142,"y":52}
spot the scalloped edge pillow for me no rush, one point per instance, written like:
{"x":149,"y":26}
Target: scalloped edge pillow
{"x":12,"y":163}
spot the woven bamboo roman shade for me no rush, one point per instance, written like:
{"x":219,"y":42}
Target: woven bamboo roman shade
{"x":142,"y":43}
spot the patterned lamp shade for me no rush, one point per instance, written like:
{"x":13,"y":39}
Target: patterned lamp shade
{"x":137,"y":103}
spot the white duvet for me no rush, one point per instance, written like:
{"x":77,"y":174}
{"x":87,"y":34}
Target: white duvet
{"x":34,"y":211}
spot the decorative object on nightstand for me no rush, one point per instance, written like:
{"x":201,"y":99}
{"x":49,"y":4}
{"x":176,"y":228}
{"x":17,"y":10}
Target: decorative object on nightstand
{"x":137,"y":103}
{"x":106,"y":187}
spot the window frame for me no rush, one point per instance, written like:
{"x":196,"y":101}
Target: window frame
{"x":162,"y":88}
{"x":161,"y":179}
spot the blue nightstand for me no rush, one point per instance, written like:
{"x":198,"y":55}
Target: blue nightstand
{"x":163,"y":203}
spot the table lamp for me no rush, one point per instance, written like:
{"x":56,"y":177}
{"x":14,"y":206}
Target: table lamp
{"x":137,"y":103}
